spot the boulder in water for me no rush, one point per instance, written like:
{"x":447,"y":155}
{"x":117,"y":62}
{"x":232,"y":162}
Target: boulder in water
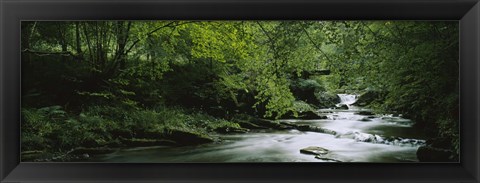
{"x":439,"y":142}
{"x":433,"y":154}
{"x":362,"y":137}
{"x":436,"y":150}
{"x":311,"y":128}
{"x":365,"y":119}
{"x":270,"y":124}
{"x":327,"y":100}
{"x":367,"y":98}
{"x":365,"y":113}
{"x":186,"y":138}
{"x":248,"y":125}
{"x":226,"y":130}
{"x":342,"y":106}
{"x":315,"y":150}
{"x":326,"y":159}
{"x":304,"y":115}
{"x":310,"y":115}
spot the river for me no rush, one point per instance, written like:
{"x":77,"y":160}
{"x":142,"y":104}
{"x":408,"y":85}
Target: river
{"x":359,"y":138}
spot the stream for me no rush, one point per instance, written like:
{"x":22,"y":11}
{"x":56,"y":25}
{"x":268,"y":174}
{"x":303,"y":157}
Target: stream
{"x":359,"y":138}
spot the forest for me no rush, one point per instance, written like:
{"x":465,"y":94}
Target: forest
{"x":93,"y":87}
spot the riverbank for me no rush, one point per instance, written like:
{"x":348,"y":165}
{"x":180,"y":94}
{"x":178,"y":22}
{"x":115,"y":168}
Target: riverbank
{"x":173,"y":129}
{"x":343,"y":137}
{"x":53,"y":134}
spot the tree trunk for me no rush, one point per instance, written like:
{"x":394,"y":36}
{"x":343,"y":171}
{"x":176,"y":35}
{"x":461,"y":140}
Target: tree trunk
{"x":63,"y":39}
{"x":78,"y":39}
{"x":27,"y":31}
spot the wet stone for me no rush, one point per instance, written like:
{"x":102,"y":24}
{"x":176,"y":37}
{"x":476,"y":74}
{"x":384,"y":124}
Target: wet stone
{"x":365,"y":119}
{"x":326,"y":159}
{"x":315,"y":150}
{"x":365,"y":113}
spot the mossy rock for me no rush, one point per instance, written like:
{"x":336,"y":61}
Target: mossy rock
{"x":187,"y":138}
{"x":248,"y":125}
{"x":315,"y":150}
{"x":439,"y":142}
{"x":327,"y":100}
{"x":365,"y":113}
{"x":326,"y":159}
{"x":365,"y":119}
{"x":367,"y":98}
{"x":304,"y":115}
{"x":433,"y":154}
{"x":270,"y":124}
{"x":342,"y":106}
{"x":226,"y":130}
{"x":148,"y":142}
{"x":310,"y":115}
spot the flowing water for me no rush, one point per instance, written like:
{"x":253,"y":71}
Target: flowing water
{"x":359,"y":138}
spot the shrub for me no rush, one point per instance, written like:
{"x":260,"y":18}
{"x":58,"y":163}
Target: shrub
{"x":38,"y":126}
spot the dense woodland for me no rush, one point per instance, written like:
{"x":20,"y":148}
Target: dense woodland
{"x":115,"y":83}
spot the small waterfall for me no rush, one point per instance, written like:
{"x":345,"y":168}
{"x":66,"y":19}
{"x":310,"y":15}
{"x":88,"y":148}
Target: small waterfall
{"x":347,"y":99}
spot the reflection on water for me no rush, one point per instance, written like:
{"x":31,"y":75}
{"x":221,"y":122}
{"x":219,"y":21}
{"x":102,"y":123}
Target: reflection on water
{"x":359,"y":139}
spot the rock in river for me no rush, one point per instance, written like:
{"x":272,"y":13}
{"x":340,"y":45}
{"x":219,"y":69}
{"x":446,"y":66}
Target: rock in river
{"x":365,"y":119}
{"x":304,"y":115}
{"x":365,"y":113}
{"x":327,"y":159}
{"x":432,"y":154}
{"x":226,"y":130}
{"x":315,"y":150}
{"x":310,"y":115}
{"x":342,"y":106}
{"x":186,"y":138}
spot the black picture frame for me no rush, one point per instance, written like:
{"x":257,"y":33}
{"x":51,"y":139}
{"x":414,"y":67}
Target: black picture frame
{"x":13,"y":11}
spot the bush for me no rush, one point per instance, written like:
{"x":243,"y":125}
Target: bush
{"x":38,"y":126}
{"x":51,"y":129}
{"x":305,"y":89}
{"x":449,"y":129}
{"x":300,"y":106}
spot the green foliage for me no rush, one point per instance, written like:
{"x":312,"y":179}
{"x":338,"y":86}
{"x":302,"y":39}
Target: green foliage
{"x":110,"y":75}
{"x":36,"y":127}
{"x":277,"y":96}
{"x":305,"y":84}
{"x":449,"y":128}
{"x":51,"y":129}
{"x":300,"y":106}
